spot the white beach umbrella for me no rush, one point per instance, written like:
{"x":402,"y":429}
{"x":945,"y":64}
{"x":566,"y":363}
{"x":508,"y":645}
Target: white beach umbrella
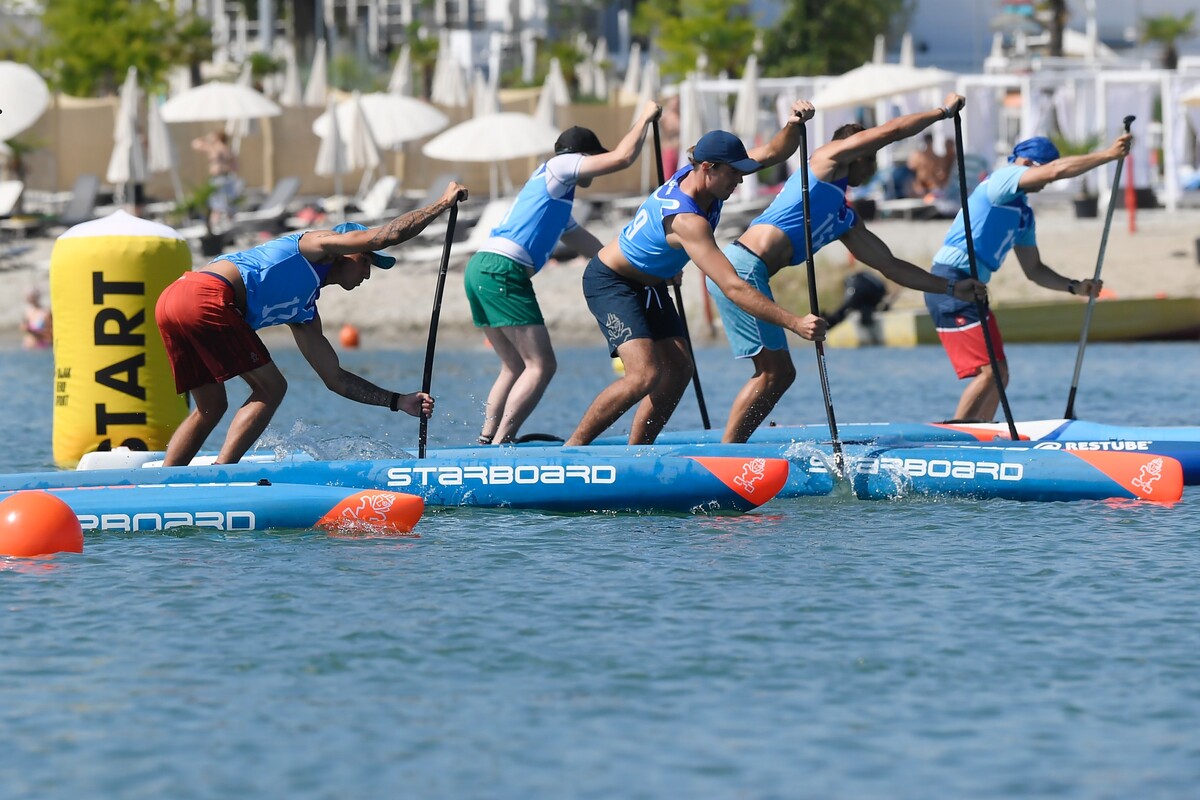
{"x":554,"y":94}
{"x":485,"y":98}
{"x":160,"y":154}
{"x":449,"y":84}
{"x":127,"y":164}
{"x":393,"y":119}
{"x":633,"y":70}
{"x":217,"y":102}
{"x":331,"y":156}
{"x":401,"y":82}
{"x":240,"y":128}
{"x":493,"y":138}
{"x":691,"y":125}
{"x":23,"y":98}
{"x":871,"y":82}
{"x":318,"y":80}
{"x":292,"y":93}
{"x":745,"y":108}
{"x":599,"y":70}
{"x":361,"y":151}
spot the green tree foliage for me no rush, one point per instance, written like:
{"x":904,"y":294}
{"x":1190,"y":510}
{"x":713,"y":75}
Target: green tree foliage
{"x":816,"y":37}
{"x":721,"y":30}
{"x":1166,"y":31}
{"x":90,"y":44}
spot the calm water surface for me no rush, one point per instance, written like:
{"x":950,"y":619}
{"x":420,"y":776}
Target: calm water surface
{"x":819,"y":648}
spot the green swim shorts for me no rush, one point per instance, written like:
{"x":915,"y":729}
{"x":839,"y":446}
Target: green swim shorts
{"x":500,"y":292}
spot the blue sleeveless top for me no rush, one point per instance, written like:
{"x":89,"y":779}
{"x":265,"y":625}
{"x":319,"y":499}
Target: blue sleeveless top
{"x":281,"y":285}
{"x":1000,"y":219}
{"x":831,"y":216}
{"x":643,"y":241}
{"x":540,"y":214}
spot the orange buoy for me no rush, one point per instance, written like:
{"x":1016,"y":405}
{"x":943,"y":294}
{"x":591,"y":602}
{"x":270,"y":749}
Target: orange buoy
{"x":349,"y":336}
{"x":38,"y":524}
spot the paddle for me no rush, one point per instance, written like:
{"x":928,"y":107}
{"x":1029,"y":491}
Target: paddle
{"x":1087,"y":315}
{"x":814,"y":304}
{"x":980,"y":305}
{"x":687,"y":337}
{"x":427,"y":378}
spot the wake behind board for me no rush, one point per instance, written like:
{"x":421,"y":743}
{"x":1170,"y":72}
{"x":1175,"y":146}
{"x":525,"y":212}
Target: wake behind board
{"x":241,"y":506}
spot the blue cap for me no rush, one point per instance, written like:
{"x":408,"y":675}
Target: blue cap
{"x":722,"y":147}
{"x":379,"y":259}
{"x":1038,"y":149}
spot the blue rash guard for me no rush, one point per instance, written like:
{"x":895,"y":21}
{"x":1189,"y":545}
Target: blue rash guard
{"x":831,"y":216}
{"x":282,"y":286}
{"x":1000,"y":219}
{"x":643,"y":241}
{"x":540,"y":215}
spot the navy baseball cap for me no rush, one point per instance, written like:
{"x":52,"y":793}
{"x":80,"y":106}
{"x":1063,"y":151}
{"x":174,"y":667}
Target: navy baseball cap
{"x":378,"y":258}
{"x":722,"y":147}
{"x":1038,"y":149}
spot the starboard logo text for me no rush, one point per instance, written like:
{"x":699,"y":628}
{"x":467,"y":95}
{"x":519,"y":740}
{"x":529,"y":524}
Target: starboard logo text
{"x":150,"y":521}
{"x":929,"y":468}
{"x":500,"y":475}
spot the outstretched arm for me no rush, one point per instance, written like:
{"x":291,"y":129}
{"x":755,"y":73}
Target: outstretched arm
{"x":318,"y":246}
{"x":784,"y":143}
{"x":626,"y":151}
{"x":872,"y":251}
{"x":840,"y":152}
{"x":1030,"y":259}
{"x":697,"y":239}
{"x":321,"y":356}
{"x":1037,"y":177}
{"x":582,"y":241}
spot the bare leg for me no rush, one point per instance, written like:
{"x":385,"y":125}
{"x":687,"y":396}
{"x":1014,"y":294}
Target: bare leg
{"x":673,"y":374}
{"x":774,"y":373}
{"x":511,"y":366}
{"x":638,"y":355}
{"x":530,"y":345}
{"x":191,"y":434}
{"x":981,"y":398}
{"x":267,"y":388}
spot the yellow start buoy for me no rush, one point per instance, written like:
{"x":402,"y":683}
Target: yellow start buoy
{"x":38,"y":524}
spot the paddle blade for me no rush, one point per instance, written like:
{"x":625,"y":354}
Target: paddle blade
{"x":374,"y":512}
{"x":755,"y":480}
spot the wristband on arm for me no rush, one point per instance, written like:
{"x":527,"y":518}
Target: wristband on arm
{"x":394,"y":405}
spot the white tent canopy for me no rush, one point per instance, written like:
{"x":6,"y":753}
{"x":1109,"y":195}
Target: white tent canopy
{"x":871,"y":82}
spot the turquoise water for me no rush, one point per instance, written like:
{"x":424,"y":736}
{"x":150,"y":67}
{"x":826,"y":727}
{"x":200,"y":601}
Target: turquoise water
{"x":817,"y":648}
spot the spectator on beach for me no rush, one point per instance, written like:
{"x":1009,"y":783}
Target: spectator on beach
{"x":930,"y":171}
{"x":222,"y":175}
{"x":209,"y":321}
{"x":776,"y":239}
{"x":668,"y":134}
{"x":37,"y":326}
{"x":1001,"y":220}
{"x":498,"y":277}
{"x":626,"y":282}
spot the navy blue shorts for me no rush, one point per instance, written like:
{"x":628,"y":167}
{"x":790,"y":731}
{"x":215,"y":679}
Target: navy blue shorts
{"x":626,"y":309}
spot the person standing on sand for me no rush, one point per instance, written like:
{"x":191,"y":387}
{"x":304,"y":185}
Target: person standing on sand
{"x":37,"y":326}
{"x":498,"y":278}
{"x":776,"y":239}
{"x":1001,"y":220}
{"x":209,"y":321}
{"x":222,"y":175}
{"x":625,"y":284}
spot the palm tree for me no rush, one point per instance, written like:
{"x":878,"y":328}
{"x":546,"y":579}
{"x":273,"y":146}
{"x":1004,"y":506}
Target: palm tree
{"x":1166,"y":30}
{"x":1057,"y":12}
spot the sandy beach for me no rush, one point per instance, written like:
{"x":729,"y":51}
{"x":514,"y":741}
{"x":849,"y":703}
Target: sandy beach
{"x":1160,"y":259}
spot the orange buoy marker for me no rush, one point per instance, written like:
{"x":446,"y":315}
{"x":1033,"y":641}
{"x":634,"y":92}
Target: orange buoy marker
{"x":38,"y":524}
{"x":348,"y":336}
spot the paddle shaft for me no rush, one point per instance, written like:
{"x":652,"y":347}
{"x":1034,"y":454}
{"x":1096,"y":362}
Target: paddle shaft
{"x":814,"y":304}
{"x":1091,"y":305}
{"x":687,"y":336}
{"x":981,"y":306}
{"x":431,"y":345}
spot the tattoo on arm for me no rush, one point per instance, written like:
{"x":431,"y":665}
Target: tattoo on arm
{"x":363,"y":391}
{"x":405,"y":226}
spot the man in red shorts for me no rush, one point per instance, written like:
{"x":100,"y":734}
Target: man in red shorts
{"x":209,"y":318}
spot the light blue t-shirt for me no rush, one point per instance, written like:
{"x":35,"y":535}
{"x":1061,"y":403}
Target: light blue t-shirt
{"x":643,"y":241}
{"x":831,"y":216}
{"x":1000,"y":220}
{"x":540,"y":214}
{"x":282,"y":286}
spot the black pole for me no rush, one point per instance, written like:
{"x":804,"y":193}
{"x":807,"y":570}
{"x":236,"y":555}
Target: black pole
{"x":839,"y":459}
{"x":981,"y":306}
{"x":427,"y":378}
{"x":687,"y":336}
{"x":1091,"y":306}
